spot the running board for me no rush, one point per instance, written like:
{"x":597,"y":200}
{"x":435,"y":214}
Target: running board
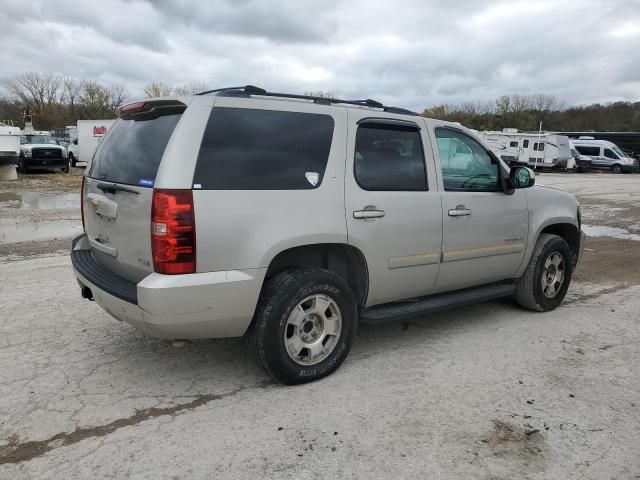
{"x":391,"y":312}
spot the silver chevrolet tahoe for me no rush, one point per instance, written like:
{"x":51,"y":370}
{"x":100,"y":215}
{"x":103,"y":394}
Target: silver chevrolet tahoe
{"x":289,"y":218}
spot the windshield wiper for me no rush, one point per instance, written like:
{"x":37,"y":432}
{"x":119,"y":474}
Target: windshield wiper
{"x":113,"y":188}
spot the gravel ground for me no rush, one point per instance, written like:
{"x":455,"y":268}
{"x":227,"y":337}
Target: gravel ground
{"x":485,"y":391}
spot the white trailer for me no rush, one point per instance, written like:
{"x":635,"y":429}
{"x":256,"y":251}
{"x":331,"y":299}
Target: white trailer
{"x":9,"y":150}
{"x":544,"y":150}
{"x":89,"y":135}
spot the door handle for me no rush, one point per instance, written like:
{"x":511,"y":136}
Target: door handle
{"x":460,"y":211}
{"x":368,"y":212}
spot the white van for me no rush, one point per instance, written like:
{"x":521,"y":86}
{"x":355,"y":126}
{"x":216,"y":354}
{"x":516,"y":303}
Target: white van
{"x":605,"y":155}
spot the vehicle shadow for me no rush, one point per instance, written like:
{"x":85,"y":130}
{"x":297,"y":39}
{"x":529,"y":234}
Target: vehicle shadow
{"x":203,"y":365}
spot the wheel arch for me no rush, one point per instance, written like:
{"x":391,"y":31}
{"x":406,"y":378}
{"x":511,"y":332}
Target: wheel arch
{"x":565,"y":227}
{"x":343,"y":259}
{"x":568,"y":231}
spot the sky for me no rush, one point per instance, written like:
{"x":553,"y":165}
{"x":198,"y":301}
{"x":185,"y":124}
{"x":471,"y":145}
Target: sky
{"x":411,"y":53}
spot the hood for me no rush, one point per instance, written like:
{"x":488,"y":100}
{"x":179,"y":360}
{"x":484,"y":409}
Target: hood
{"x":554,"y":194}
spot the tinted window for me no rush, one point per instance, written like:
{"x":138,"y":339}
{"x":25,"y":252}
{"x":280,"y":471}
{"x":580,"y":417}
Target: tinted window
{"x":538,"y":147}
{"x":466,"y":165}
{"x":609,"y":154}
{"x":589,"y":151}
{"x":246,"y":149}
{"x":132,"y":150}
{"x":525,"y":143}
{"x":513,"y":144}
{"x":389,"y":158}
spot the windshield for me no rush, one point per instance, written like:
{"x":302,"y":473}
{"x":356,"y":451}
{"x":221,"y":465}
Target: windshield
{"x":619,"y":152}
{"x":34,"y":139}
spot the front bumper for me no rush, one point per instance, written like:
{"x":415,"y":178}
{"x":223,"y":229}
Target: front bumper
{"x":198,"y":305}
{"x":39,"y":164}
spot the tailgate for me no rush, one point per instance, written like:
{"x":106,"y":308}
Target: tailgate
{"x":118,"y":191}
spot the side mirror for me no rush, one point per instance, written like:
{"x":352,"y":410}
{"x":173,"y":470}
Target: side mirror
{"x":522,"y":177}
{"x":75,"y":142}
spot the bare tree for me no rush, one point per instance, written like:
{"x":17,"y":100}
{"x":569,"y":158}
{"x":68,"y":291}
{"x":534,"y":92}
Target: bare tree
{"x":117,"y":95}
{"x":188,"y":89}
{"x":158,"y":89}
{"x":94,"y":99}
{"x":71,"y":90}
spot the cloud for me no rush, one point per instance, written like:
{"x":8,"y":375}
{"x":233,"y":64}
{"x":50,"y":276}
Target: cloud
{"x":412,"y":53}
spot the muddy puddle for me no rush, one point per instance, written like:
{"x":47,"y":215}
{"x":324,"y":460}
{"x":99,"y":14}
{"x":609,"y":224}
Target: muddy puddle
{"x":605,"y":231}
{"x":39,"y":201}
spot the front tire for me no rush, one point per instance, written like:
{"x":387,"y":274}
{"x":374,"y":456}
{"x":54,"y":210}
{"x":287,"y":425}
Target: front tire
{"x":304,"y":325}
{"x":72,"y":160}
{"x":616,"y":169}
{"x":22,"y":167}
{"x":546,"y":280}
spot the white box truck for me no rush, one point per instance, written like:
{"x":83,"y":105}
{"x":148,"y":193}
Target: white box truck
{"x":9,"y":150}
{"x":89,"y":136}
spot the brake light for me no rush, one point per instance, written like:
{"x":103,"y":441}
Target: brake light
{"x":173,"y":232}
{"x":82,"y":203}
{"x":132,"y":106}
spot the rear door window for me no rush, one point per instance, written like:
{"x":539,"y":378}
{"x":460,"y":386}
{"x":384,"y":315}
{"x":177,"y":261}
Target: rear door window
{"x":389,"y":157}
{"x":132,"y":150}
{"x":250,"y":149}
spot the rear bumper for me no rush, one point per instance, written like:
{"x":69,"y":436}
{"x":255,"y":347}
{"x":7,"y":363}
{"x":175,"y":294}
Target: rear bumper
{"x":199,"y":305}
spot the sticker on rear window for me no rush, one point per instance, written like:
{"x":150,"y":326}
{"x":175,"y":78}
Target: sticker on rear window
{"x":145,"y":182}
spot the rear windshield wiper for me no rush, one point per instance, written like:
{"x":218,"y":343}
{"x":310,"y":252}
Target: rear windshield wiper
{"x":114,"y":187}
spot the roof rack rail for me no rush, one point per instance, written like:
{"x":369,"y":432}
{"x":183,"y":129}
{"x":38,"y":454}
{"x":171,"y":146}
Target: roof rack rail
{"x":253,"y":90}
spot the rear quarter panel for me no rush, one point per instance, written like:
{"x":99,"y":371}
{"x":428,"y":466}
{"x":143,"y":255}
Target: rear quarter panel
{"x":245,"y":229}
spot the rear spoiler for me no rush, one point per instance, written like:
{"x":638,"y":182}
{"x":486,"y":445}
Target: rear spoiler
{"x":150,"y":109}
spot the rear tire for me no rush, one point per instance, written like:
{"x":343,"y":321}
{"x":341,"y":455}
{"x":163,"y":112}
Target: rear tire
{"x":304,"y":325}
{"x":72,"y":160}
{"x":546,"y":280}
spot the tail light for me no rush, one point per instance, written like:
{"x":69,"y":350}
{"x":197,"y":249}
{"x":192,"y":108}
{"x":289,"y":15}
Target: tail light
{"x":82,"y":203}
{"x":173,"y":232}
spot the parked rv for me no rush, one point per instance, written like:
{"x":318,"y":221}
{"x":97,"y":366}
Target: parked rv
{"x":605,"y":155}
{"x":537,"y":150}
{"x":89,"y":135}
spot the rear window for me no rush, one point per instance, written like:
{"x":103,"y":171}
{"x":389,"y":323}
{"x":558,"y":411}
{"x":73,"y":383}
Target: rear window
{"x":131,"y":152}
{"x":248,"y":149}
